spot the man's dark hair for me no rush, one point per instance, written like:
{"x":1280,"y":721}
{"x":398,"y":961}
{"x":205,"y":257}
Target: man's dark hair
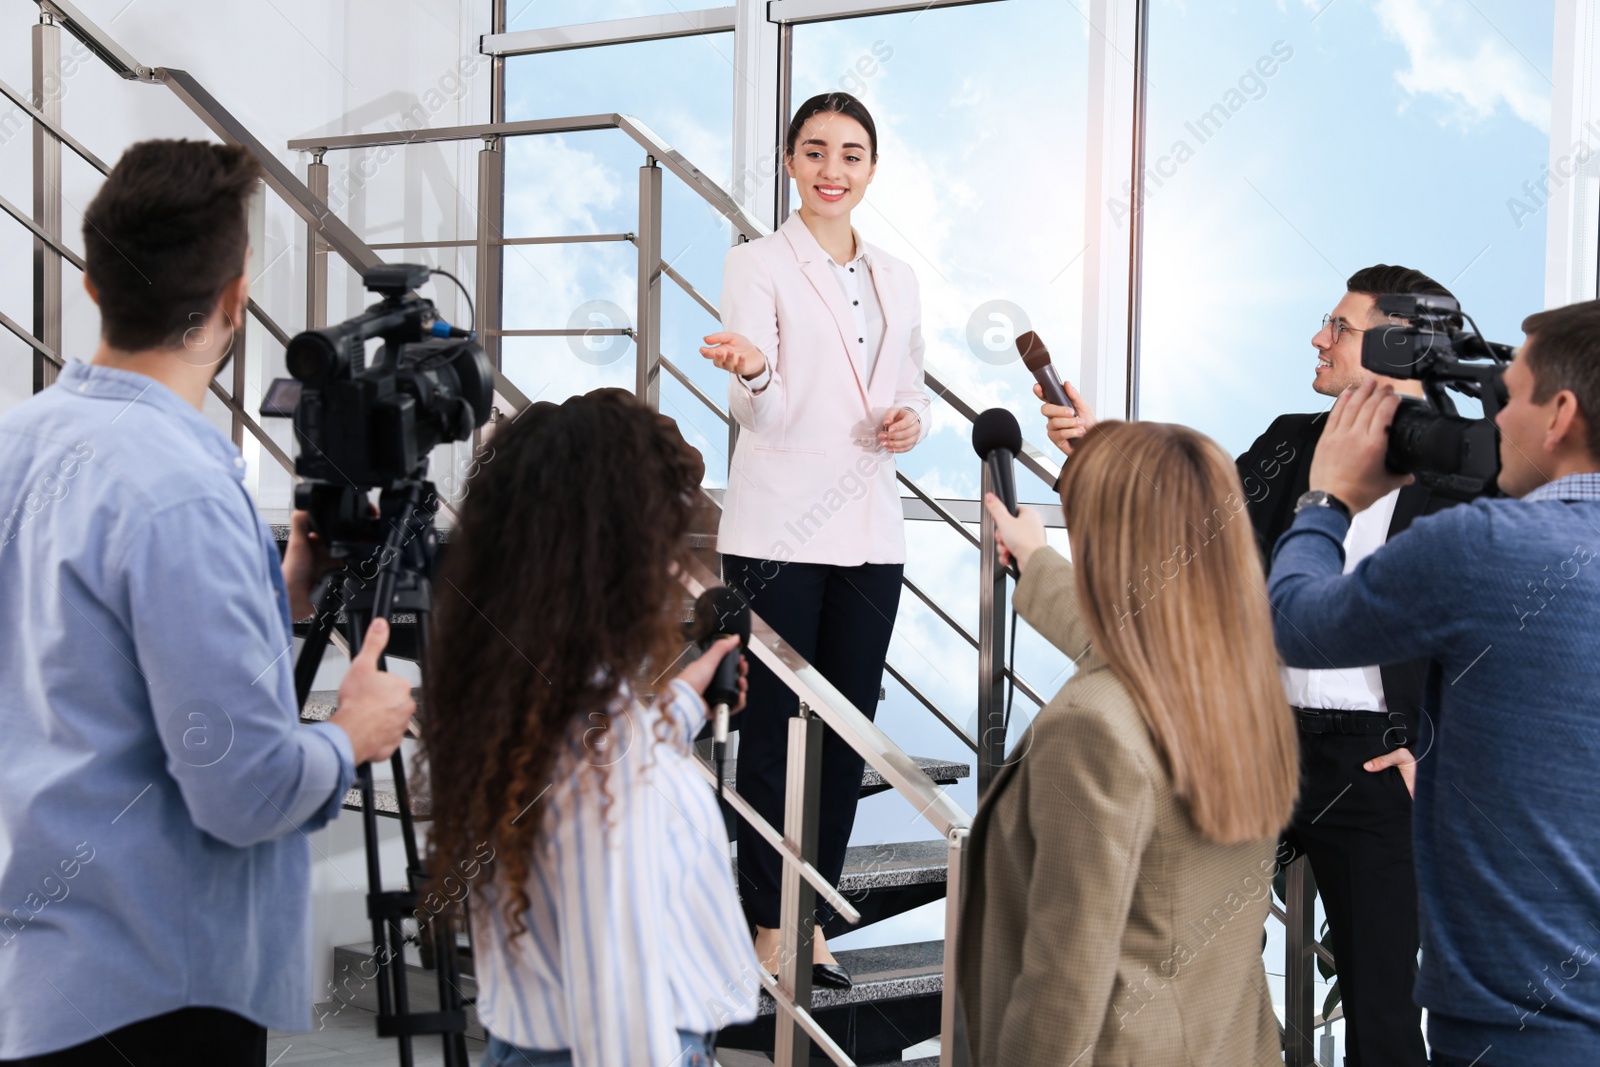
{"x":163,"y":237}
{"x":1563,"y":352}
{"x":832,"y":104}
{"x":1383,"y":279}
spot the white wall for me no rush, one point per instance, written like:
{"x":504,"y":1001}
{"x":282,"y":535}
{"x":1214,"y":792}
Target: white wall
{"x":292,"y":68}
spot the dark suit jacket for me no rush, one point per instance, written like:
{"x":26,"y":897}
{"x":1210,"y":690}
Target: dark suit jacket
{"x":1275,"y":471}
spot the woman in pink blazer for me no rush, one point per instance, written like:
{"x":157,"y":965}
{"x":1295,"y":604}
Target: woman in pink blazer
{"x":823,"y":336}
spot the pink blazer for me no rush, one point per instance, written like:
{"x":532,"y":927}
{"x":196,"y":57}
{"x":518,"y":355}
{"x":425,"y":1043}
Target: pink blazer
{"x":808,"y":481}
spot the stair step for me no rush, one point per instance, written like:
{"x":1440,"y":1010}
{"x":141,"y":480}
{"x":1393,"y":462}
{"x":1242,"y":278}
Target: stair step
{"x":942,"y":771}
{"x":887,"y":866}
{"x":888,"y":972}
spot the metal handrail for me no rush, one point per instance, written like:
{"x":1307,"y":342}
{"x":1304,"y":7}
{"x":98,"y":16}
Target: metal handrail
{"x":646,"y":138}
{"x":841,"y":716}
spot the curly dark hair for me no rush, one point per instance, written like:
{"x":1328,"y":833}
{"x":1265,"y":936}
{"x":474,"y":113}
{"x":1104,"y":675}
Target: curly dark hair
{"x":557,"y":588}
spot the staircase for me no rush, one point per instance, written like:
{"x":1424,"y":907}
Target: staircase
{"x":895,"y":1000}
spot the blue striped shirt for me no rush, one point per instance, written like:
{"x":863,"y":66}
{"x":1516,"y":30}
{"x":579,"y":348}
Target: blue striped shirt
{"x":634,"y":930}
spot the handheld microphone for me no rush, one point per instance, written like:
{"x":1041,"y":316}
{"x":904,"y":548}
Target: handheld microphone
{"x":720,"y":612}
{"x":1037,"y":359}
{"x":997,"y":439}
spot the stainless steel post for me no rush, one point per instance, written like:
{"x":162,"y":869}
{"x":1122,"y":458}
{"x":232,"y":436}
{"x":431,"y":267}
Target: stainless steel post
{"x":1299,"y":964}
{"x":798,"y":903}
{"x":316,"y":249}
{"x":491,"y":230}
{"x":647,"y":324}
{"x":952,"y":1034}
{"x":991,"y":650}
{"x":46,"y":197}
{"x":785,"y":111}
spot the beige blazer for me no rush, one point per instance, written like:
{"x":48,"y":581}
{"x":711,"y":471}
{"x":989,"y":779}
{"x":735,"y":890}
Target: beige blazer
{"x":1098,"y":926}
{"x":808,"y":481}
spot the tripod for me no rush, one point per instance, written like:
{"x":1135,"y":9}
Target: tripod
{"x":389,"y":560}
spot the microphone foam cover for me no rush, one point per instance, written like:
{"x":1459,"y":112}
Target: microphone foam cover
{"x":996,"y":428}
{"x":719,"y":610}
{"x":1034,"y":354}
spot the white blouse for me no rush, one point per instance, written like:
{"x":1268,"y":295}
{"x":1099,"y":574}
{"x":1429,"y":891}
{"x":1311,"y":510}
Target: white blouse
{"x":634,"y":929}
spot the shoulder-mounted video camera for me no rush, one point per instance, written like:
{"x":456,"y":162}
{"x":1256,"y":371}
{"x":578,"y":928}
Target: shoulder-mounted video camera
{"x":1425,"y":341}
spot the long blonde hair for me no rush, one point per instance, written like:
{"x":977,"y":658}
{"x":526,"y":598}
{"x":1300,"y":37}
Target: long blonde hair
{"x":1170,"y":584}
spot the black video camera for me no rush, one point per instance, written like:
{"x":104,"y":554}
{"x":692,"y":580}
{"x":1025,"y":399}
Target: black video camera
{"x":366,"y":427}
{"x":1453,"y":456}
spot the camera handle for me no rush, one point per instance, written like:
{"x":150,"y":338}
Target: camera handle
{"x":390,"y":578}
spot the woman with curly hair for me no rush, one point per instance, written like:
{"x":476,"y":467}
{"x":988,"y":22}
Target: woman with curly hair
{"x":606,"y":925}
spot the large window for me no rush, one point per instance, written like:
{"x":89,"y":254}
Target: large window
{"x":1290,"y":145}
{"x":982,"y":118}
{"x":981,"y":115}
{"x":588,"y":183}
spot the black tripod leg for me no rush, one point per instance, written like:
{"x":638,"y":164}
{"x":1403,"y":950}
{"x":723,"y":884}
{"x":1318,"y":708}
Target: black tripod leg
{"x":447,"y":968}
{"x":388,"y":941}
{"x":316,"y":642}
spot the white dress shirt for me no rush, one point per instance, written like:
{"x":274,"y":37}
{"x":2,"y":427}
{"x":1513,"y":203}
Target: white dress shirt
{"x":855,"y":278}
{"x":1348,"y":688}
{"x":634,"y":929}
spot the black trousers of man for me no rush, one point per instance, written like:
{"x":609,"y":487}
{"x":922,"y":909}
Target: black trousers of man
{"x":840,"y":619}
{"x":183,"y":1038}
{"x":1355,"y":827}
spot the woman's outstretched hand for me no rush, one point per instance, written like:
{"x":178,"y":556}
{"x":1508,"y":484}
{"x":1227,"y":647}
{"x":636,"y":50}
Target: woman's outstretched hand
{"x":733,"y":352}
{"x":1016,"y":535}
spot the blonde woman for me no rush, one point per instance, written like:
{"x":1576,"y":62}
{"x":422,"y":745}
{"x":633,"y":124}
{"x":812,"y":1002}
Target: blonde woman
{"x":1122,"y":861}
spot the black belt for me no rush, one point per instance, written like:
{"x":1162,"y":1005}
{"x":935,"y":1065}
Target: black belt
{"x":1323,"y":721}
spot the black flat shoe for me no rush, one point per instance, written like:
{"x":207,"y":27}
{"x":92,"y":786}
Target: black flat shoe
{"x":830,"y":976}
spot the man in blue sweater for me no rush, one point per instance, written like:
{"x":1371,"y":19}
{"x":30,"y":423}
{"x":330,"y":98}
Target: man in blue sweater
{"x":1504,"y":596}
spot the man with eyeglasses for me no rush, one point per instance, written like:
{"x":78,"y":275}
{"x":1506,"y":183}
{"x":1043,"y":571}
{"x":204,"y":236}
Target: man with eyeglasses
{"x":1358,"y":726}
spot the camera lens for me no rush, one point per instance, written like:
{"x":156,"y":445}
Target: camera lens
{"x":314,"y":357}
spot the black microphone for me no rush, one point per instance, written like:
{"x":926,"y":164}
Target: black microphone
{"x":997,"y":439}
{"x":1037,"y":359}
{"x":720,"y":612}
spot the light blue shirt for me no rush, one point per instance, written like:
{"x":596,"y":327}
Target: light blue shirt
{"x":156,"y":787}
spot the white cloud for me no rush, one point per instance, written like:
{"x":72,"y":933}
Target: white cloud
{"x":1458,"y":56}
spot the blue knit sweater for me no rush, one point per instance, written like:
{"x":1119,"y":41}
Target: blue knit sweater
{"x":1504,"y":596}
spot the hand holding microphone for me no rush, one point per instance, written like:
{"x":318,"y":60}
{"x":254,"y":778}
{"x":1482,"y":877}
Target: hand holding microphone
{"x":1067,"y":415}
{"x":997,"y":439}
{"x":722,"y":627}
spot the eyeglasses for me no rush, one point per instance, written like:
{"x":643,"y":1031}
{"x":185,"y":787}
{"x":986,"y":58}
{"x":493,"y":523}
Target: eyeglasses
{"x":1337,"y":326}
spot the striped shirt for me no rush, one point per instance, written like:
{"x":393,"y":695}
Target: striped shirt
{"x":634,"y":930}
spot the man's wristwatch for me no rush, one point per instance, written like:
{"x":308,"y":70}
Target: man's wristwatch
{"x":1319,"y":498}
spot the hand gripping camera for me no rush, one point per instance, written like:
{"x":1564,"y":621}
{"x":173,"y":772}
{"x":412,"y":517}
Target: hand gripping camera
{"x":1453,"y":456}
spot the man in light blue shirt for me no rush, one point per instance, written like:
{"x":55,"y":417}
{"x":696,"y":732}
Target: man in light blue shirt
{"x":156,"y":788}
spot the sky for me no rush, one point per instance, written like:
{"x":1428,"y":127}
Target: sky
{"x":1386,"y":131}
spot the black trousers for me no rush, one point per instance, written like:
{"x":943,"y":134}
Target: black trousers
{"x":180,"y":1038}
{"x":1355,"y":827}
{"x":840,"y":619}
